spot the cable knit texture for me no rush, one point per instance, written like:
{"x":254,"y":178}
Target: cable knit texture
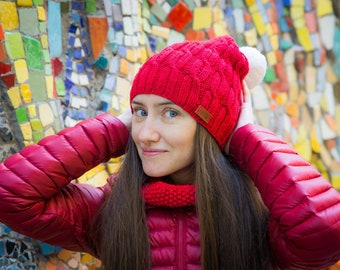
{"x":159,"y":193}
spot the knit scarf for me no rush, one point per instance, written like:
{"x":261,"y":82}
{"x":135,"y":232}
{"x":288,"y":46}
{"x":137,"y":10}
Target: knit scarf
{"x":159,"y":193}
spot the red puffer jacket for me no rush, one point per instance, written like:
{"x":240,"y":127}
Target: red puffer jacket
{"x":38,"y":200}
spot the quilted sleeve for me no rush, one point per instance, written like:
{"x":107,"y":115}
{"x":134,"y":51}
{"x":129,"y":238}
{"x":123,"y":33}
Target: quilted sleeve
{"x":304,"y":224}
{"x":37,"y":198}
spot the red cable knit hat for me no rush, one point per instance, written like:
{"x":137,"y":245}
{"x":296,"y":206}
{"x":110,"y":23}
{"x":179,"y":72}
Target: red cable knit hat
{"x":204,"y":78}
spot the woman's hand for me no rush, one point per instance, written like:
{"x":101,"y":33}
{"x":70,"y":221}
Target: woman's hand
{"x":246,"y":114}
{"x":126,"y":118}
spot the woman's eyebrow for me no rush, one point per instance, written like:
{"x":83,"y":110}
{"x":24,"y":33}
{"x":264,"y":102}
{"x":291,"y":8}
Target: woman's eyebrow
{"x":156,"y":105}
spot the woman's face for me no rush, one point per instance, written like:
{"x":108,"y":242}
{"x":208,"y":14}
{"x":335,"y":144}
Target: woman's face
{"x":164,"y":135}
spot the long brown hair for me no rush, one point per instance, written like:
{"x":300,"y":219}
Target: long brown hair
{"x":233,"y":219}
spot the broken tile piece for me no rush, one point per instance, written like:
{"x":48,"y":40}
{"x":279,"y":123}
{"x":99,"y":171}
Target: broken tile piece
{"x":8,"y":16}
{"x":14,"y":45}
{"x":202,"y":18}
{"x":28,"y":21}
{"x":98,"y":28}
{"x":21,"y":70}
{"x":180,"y":16}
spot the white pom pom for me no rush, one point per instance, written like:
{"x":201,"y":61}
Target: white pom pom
{"x":257,"y":66}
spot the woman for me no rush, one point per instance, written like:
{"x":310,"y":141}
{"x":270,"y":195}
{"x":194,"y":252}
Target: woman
{"x":180,"y":200}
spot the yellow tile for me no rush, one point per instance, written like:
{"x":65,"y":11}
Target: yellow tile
{"x":25,"y":3}
{"x":14,"y":96}
{"x":113,"y":167}
{"x":337,"y":119}
{"x":21,"y":70}
{"x":296,"y":12}
{"x":275,"y":42}
{"x":26,"y":93}
{"x":41,"y":13}
{"x":253,"y":8}
{"x":144,"y":54}
{"x":299,"y":23}
{"x":86,"y":259}
{"x":124,"y":66}
{"x":46,"y":114}
{"x":99,"y":179}
{"x":269,"y":29}
{"x":202,"y":18}
{"x":8,"y":16}
{"x":49,"y":131}
{"x":324,"y":7}
{"x":160,"y":31}
{"x":44,"y":41}
{"x":298,"y":3}
{"x":281,"y":98}
{"x":32,"y":111}
{"x":259,"y":23}
{"x":49,"y":86}
{"x":336,"y":181}
{"x":220,"y":28}
{"x":26,"y":131}
{"x":132,"y":55}
{"x":251,"y":37}
{"x":271,"y":58}
{"x":304,"y":38}
{"x":217,"y":14}
{"x":250,"y":2}
{"x":315,"y":144}
{"x":303,"y":145}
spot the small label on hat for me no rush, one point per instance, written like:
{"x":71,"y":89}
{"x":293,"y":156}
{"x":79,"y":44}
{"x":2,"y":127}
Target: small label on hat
{"x":203,"y":114}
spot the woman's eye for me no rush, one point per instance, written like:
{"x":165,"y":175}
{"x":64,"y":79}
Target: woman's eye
{"x":140,"y":112}
{"x":171,"y":113}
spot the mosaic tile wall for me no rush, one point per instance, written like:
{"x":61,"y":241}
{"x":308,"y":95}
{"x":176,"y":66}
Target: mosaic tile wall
{"x":63,"y":61}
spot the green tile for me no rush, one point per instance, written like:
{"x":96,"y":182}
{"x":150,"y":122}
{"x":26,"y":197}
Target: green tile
{"x":36,"y":125}
{"x":34,"y":53}
{"x":14,"y":45}
{"x":21,"y":115}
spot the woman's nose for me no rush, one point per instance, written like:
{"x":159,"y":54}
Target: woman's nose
{"x":149,"y":130}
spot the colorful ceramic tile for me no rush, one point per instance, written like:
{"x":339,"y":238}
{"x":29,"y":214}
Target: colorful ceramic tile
{"x":304,"y":38}
{"x":24,"y":3}
{"x":26,"y":131}
{"x":259,"y":23}
{"x":202,"y":18}
{"x":8,"y":16}
{"x":14,"y":96}
{"x":28,"y":21}
{"x":98,"y":28}
{"x":45,"y":114}
{"x":34,"y":54}
{"x":5,"y":68}
{"x":160,"y":31}
{"x":14,"y":45}
{"x":158,"y":11}
{"x":21,"y":115}
{"x":41,"y":13}
{"x":21,"y":70}
{"x":49,"y":80}
{"x":54,"y":28}
{"x":324,"y":7}
{"x":26,"y":93}
{"x":8,"y":80}
{"x":37,"y":85}
{"x":180,"y":16}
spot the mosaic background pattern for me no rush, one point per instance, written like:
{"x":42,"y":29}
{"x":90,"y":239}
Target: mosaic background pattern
{"x":64,"y":61}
